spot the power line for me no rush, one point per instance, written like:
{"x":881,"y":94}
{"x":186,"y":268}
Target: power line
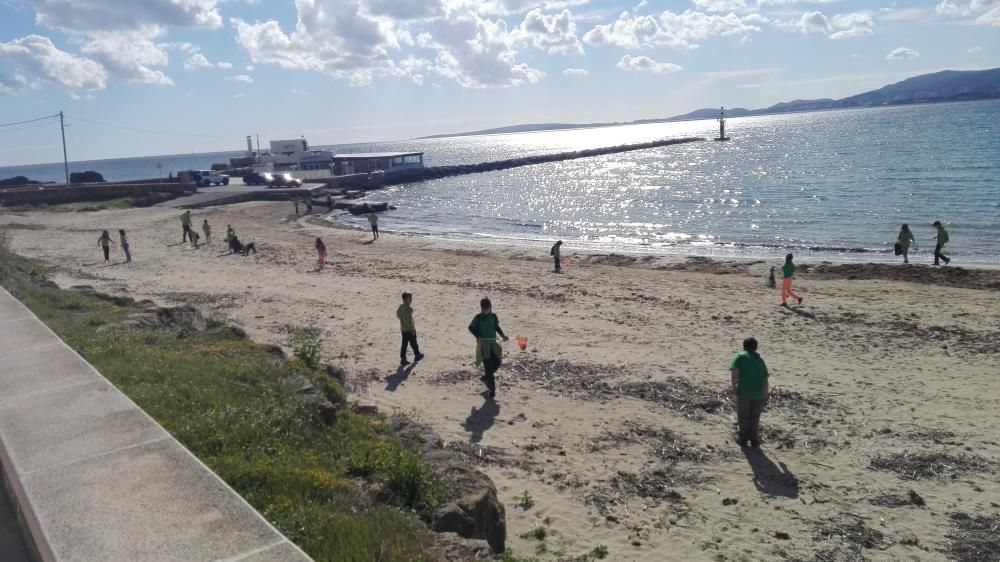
{"x":28,"y":121}
{"x":135,"y":129}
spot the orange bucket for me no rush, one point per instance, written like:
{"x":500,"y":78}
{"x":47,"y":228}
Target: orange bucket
{"x":522,"y":342}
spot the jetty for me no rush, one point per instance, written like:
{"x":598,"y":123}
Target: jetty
{"x":436,"y":172}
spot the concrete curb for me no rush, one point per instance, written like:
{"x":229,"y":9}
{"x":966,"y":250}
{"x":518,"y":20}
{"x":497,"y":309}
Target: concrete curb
{"x":93,"y":477}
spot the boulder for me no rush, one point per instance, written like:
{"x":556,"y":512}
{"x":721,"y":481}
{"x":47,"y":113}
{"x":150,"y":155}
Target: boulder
{"x":89,"y":176}
{"x":450,"y":546}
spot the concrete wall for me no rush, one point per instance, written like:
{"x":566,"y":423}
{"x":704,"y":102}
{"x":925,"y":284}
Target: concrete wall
{"x":93,"y":477}
{"x":87,"y":192}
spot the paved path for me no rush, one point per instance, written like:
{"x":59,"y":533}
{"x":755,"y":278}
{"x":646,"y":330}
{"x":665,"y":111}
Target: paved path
{"x":235,"y":192}
{"x":96,"y":478}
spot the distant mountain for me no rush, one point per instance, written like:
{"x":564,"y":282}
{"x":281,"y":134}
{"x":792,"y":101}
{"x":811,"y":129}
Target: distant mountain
{"x":944,"y":86}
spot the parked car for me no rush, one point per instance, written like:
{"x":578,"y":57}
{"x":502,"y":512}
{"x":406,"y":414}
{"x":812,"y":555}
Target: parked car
{"x":205,"y":178}
{"x":258,"y":178}
{"x":285,"y":180}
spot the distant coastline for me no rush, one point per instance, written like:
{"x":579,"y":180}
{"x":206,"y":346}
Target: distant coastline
{"x":948,"y":86}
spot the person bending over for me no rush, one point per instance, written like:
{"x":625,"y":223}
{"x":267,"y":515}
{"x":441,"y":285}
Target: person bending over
{"x":485,"y":326}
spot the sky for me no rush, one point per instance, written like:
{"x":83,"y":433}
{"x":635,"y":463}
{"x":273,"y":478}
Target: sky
{"x":152,"y":77}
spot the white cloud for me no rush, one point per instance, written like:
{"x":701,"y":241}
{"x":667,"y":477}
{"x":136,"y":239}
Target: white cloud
{"x":249,"y":68}
{"x":761,"y":3}
{"x":902,"y":53}
{"x":840,"y":26}
{"x":36,"y":60}
{"x":109,"y":15}
{"x":129,"y":55}
{"x":987,"y":12}
{"x":974,"y":50}
{"x":720,"y":5}
{"x":476,"y":52}
{"x":12,"y":84}
{"x":643,"y":63}
{"x":855,"y":24}
{"x":405,"y":9}
{"x":245,"y":78}
{"x":198,"y":61}
{"x":576,"y":72}
{"x":667,"y":30}
{"x":555,"y":33}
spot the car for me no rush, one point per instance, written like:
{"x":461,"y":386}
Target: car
{"x":258,"y":178}
{"x":205,"y":178}
{"x":285,"y":180}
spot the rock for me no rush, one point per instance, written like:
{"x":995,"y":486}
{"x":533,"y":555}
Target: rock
{"x":478,"y":515}
{"x":916,"y":499}
{"x":729,"y":501}
{"x":85,"y":177}
{"x":909,"y":539}
{"x":328,"y":411}
{"x":364,"y":409}
{"x":336,"y":373}
{"x":450,"y":546}
{"x":782,"y":535}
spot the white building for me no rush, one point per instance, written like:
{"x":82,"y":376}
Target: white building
{"x":295,"y":155}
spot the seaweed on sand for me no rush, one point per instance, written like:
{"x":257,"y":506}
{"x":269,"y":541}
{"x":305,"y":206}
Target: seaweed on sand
{"x":974,"y":538}
{"x":915,"y":466}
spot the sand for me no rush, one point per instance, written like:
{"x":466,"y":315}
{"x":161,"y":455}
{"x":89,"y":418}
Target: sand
{"x":617,"y":421}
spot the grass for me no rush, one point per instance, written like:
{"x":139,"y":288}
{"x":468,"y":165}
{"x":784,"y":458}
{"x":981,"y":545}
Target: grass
{"x":234,"y":406}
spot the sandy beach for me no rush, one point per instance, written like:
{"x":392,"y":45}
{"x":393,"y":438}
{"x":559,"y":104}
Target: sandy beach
{"x":617,"y":420}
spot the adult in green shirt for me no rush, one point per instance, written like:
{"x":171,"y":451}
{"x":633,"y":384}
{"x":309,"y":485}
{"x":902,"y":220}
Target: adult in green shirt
{"x":942,"y":239}
{"x":905,"y":239}
{"x":207,"y":229}
{"x":409,"y":331}
{"x":554,"y":252}
{"x":373,"y":220}
{"x":485,"y":326}
{"x":186,"y":225}
{"x":749,"y":379}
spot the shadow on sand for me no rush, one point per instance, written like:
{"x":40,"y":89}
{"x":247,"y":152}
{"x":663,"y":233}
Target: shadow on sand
{"x":481,"y":419}
{"x":768,"y":478}
{"x":393,"y":381}
{"x":801,"y":312}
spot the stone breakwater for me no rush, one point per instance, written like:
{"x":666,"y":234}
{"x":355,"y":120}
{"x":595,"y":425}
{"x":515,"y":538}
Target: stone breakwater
{"x":435,"y":172}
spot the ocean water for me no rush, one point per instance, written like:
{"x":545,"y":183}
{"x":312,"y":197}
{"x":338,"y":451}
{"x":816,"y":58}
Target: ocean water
{"x":828,"y":185}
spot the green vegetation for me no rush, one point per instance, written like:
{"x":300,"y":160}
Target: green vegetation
{"x":525,"y":501}
{"x":234,"y":405}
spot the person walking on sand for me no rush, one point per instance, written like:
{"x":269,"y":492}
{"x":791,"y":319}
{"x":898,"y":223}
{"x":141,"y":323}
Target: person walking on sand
{"x":124,"y":241}
{"x":186,"y":225}
{"x":554,"y":252}
{"x":320,"y":254}
{"x":788,"y":271}
{"x":105,"y":243}
{"x":748,"y":376}
{"x":941,"y":238}
{"x":905,"y":240}
{"x":329,"y":203}
{"x":485,"y":326}
{"x":373,"y":220}
{"x":408,"y":331}
{"x":207,"y":229}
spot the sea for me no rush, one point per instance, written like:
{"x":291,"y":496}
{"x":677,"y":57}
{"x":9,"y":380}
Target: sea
{"x":832,"y":185}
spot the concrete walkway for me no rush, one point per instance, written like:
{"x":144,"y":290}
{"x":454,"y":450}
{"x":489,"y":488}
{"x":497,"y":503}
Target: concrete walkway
{"x":236,"y":192}
{"x":96,"y":478}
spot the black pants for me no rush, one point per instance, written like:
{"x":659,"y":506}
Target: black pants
{"x":748,"y":413}
{"x":491,"y":364}
{"x":375,"y":230}
{"x":939,"y":256}
{"x":409,"y":338}
{"x":188,"y":234}
{"x":558,"y":265}
{"x":247,"y":248}
{"x":107,"y":252}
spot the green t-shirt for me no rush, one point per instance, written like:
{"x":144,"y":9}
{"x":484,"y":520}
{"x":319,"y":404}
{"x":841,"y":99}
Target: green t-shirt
{"x":405,"y":315}
{"x":123,"y":238}
{"x":788,"y":270}
{"x":942,"y":236}
{"x":485,"y":325}
{"x":752,"y":380}
{"x":186,"y":218}
{"x":373,"y":218}
{"x":206,"y":227}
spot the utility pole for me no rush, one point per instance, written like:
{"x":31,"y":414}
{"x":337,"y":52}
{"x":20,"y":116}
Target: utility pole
{"x":258,"y":148}
{"x":62,"y":127}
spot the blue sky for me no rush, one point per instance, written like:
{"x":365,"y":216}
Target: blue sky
{"x":210,"y":72}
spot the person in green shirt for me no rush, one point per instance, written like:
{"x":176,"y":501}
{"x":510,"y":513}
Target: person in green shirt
{"x":941,"y":238}
{"x":125,"y":248}
{"x":186,"y":225}
{"x":207,"y":229}
{"x":749,"y":379}
{"x":408,"y":330}
{"x":554,"y":252}
{"x":373,"y":220}
{"x":788,"y":271}
{"x":105,"y":243}
{"x":905,"y":239}
{"x":485,"y":326}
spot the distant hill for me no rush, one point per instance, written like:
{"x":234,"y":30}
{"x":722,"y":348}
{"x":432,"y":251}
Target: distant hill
{"x":944,"y":86}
